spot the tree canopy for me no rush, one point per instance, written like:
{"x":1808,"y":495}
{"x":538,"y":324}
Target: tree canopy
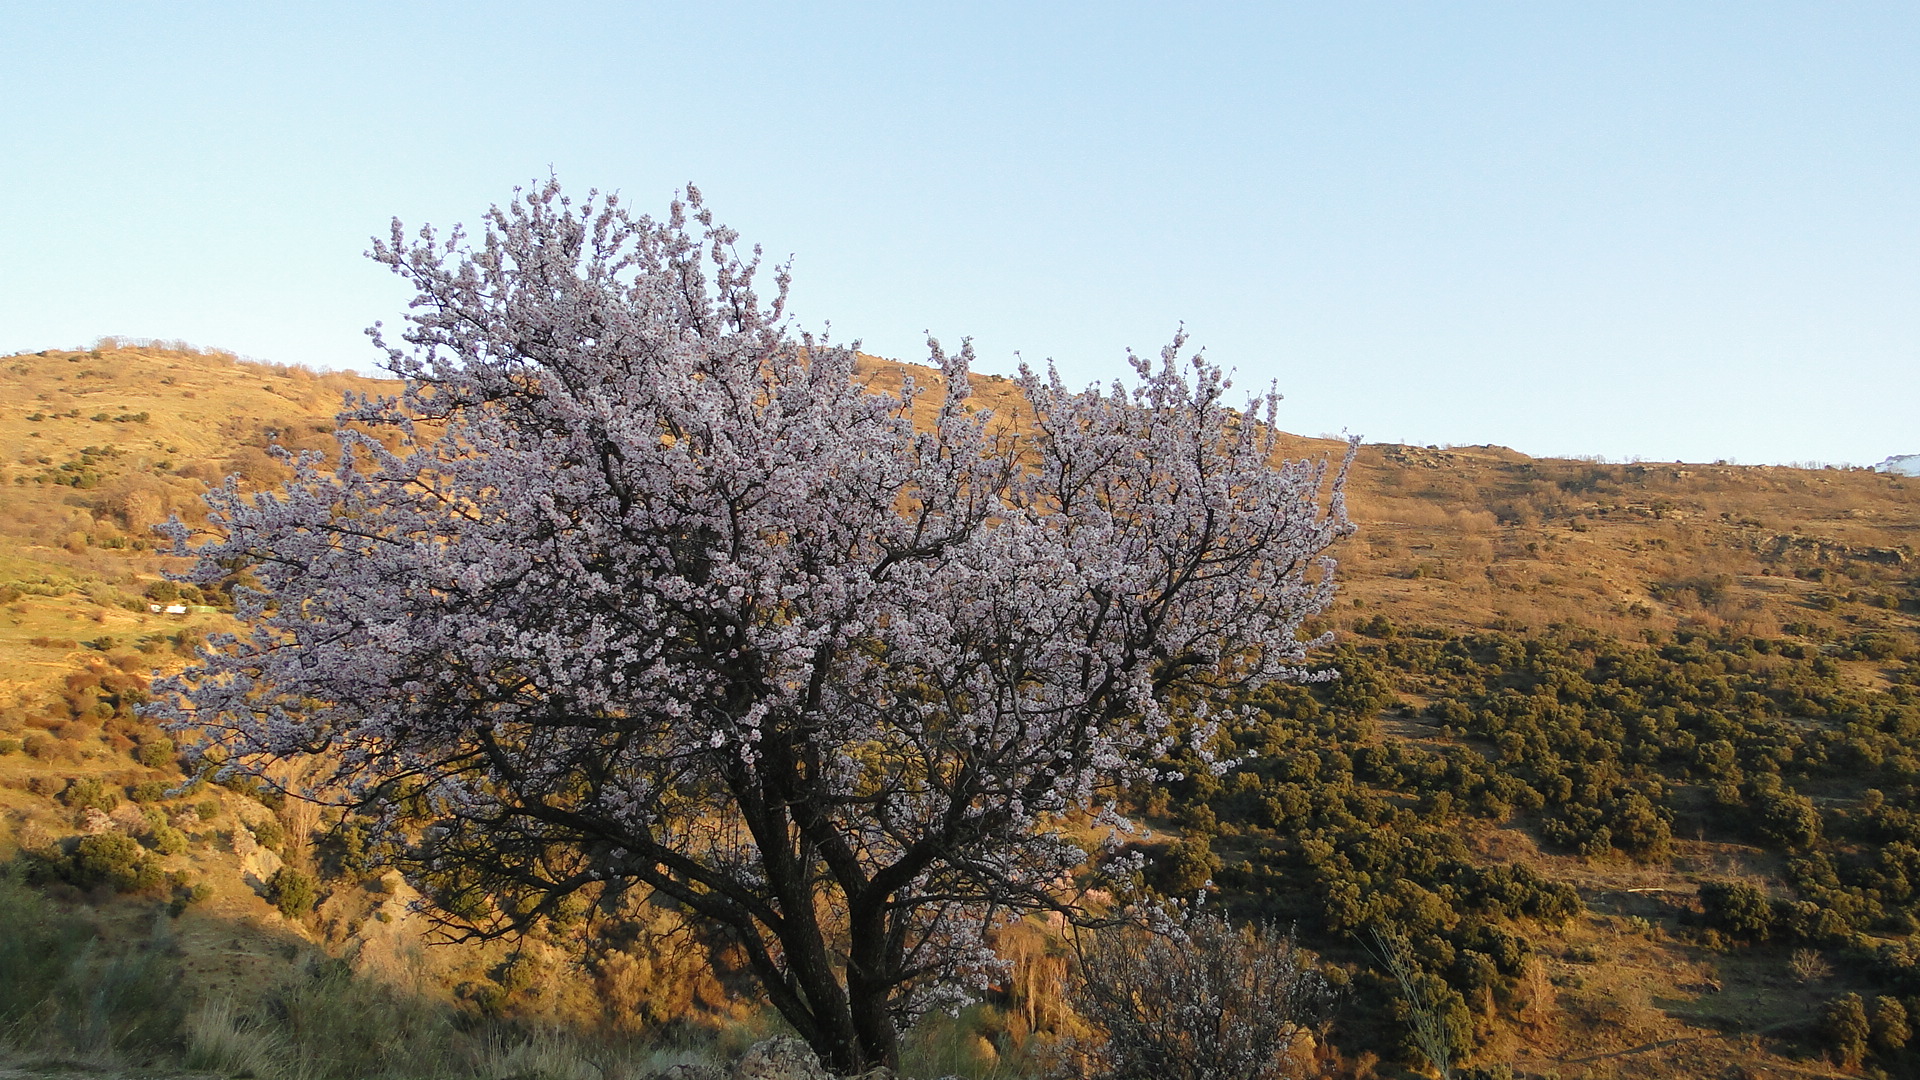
{"x":636,"y":590}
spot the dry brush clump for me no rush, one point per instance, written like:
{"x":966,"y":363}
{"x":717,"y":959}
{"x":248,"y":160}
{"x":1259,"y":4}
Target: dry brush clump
{"x":1200,"y":1000}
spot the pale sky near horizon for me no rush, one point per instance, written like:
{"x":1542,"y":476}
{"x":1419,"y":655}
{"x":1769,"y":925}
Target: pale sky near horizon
{"x":1670,"y":231}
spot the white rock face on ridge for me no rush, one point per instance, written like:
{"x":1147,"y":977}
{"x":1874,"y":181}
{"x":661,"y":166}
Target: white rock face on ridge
{"x":1901,"y":464}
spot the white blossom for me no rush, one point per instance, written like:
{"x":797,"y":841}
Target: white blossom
{"x":634,"y":584}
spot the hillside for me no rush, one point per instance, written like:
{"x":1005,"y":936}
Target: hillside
{"x":98,"y":445}
{"x":1485,"y":537}
{"x":1776,"y":610}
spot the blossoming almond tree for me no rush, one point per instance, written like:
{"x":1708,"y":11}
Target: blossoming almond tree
{"x":644,"y":592}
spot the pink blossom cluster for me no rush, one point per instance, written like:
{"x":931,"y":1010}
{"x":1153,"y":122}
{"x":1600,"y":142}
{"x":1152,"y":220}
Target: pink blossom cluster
{"x":634,"y":587}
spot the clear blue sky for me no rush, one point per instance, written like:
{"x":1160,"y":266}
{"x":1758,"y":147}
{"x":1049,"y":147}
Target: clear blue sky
{"x":1662,"y":230}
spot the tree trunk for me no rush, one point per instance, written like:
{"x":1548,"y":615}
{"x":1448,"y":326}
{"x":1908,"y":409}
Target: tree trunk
{"x":869,"y":988}
{"x":852,"y":1026}
{"x":867,"y":1001}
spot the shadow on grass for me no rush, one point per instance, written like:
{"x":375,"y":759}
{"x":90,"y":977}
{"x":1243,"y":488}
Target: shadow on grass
{"x":74,"y":998}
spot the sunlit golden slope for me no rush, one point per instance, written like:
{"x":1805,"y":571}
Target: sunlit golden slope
{"x":1484,"y":536}
{"x":97,"y":445}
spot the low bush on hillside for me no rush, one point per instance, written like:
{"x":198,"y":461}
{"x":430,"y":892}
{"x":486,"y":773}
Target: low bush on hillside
{"x":292,"y":891}
{"x":88,"y":793}
{"x":116,"y":860}
{"x":156,"y":753}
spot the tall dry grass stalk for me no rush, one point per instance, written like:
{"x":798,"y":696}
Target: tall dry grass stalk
{"x":220,"y":1038}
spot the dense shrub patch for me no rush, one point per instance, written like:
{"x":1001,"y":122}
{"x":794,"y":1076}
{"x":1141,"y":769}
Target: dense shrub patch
{"x":1601,"y":748}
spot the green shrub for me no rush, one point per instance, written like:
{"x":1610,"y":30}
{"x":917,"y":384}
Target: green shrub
{"x":1874,"y":645}
{"x":149,"y":791}
{"x":293,"y":892}
{"x":1185,"y":869}
{"x":1639,"y":828}
{"x":1788,"y":819}
{"x":88,"y":793}
{"x":1890,"y":1025}
{"x":155,"y":753}
{"x":113,"y":859}
{"x":269,"y":834}
{"x":342,"y":850}
{"x":167,"y":840}
{"x":185,"y":895}
{"x":1844,"y":1026}
{"x":1737,"y":908}
{"x":1377,"y":627}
